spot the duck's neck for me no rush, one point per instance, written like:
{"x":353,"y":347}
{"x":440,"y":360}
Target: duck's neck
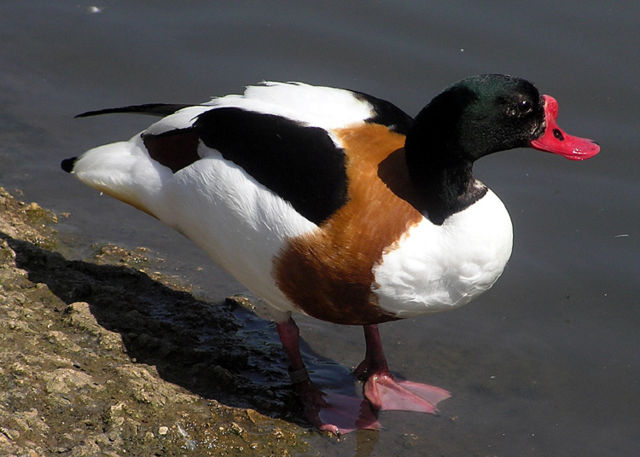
{"x":443,"y":181}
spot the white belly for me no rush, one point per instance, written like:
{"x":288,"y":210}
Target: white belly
{"x":435,"y":268}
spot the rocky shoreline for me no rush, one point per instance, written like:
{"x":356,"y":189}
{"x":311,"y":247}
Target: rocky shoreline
{"x":106,"y":356}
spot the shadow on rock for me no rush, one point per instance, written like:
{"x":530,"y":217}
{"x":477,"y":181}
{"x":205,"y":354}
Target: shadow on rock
{"x":220,"y":352}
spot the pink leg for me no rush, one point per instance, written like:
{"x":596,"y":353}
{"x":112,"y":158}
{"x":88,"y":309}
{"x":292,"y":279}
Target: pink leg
{"x":383,"y":391}
{"x":332,"y":412}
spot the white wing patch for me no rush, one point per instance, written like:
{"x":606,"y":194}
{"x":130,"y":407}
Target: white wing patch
{"x":181,"y":119}
{"x":324,"y":107}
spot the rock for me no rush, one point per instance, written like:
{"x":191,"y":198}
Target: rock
{"x":79,"y":315}
{"x":71,"y":332}
{"x":66,"y":381}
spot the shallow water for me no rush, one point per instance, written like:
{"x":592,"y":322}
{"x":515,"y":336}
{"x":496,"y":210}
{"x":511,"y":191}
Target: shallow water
{"x":548,"y":362}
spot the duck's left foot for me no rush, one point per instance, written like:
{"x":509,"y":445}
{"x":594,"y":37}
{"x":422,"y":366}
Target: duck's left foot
{"x":327,"y":411}
{"x":385,"y":393}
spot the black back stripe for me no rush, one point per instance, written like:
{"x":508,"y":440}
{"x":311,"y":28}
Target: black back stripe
{"x":300,"y":164}
{"x":386,"y":113}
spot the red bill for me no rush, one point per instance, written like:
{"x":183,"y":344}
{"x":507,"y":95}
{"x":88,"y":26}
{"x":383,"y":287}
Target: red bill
{"x":557,"y":141}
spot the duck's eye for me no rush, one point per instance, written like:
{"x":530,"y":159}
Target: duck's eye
{"x":520,"y":108}
{"x":525,"y":106}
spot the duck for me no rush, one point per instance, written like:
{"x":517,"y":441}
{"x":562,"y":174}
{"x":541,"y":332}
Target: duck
{"x":337,"y":204}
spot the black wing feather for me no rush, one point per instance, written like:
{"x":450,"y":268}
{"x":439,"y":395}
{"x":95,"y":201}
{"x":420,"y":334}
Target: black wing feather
{"x":386,"y":113}
{"x":301,"y":164}
{"x":153,"y":109}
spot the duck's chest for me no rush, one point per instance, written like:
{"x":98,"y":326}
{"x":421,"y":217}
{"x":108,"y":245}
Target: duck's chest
{"x":438,"y":267}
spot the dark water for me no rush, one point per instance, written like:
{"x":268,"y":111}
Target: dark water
{"x":548,"y":362}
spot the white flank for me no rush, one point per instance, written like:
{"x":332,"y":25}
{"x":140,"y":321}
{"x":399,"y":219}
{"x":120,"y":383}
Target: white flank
{"x":240,"y":223}
{"x":439,"y":267}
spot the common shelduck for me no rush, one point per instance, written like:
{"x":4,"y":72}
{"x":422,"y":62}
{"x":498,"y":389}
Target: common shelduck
{"x":338,"y":205}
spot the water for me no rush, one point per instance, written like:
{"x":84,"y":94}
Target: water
{"x":548,"y":362}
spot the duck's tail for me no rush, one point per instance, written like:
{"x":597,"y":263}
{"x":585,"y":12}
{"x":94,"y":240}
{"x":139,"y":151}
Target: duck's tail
{"x":122,"y":170}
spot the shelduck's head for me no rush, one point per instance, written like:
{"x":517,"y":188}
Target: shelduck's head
{"x":488,"y":113}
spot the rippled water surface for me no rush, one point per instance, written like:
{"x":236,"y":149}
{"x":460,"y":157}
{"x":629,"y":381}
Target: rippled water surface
{"x":548,"y":362}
